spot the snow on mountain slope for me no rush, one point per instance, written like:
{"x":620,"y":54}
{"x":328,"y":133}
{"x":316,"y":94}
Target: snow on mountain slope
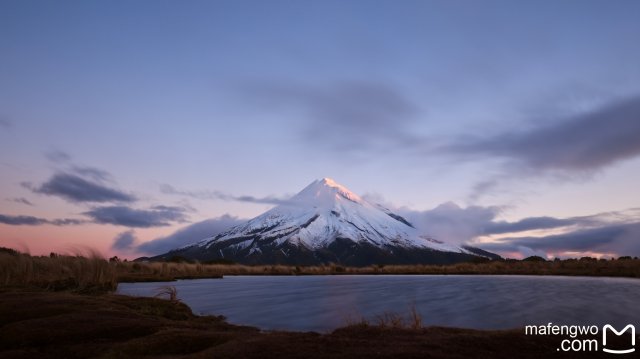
{"x":321,"y":213}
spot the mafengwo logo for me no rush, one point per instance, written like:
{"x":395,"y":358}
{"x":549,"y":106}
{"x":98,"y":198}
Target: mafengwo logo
{"x":578,"y":342}
{"x":609,"y":329}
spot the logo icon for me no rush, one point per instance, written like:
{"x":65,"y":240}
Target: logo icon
{"x":618,"y":333}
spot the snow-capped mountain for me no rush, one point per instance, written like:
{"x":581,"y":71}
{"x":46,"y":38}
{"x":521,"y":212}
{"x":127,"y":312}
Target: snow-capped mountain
{"x":325,"y":223}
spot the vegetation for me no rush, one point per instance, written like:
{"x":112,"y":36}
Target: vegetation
{"x":87,"y":273}
{"x":91,"y":273}
{"x":622,"y":267}
{"x":390,"y":320}
{"x":40,"y":324}
{"x":165,"y":271}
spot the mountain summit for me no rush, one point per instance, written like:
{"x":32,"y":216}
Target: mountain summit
{"x":326,"y":223}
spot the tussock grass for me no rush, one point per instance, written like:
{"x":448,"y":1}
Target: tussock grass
{"x":165,"y":271}
{"x":84,"y":273}
{"x":167,"y":292}
{"x":89,"y":272}
{"x":153,"y":271}
{"x":390,"y":320}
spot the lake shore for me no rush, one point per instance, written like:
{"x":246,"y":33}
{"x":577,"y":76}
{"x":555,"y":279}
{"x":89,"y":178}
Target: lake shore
{"x":36,"y":323}
{"x":63,"y":306}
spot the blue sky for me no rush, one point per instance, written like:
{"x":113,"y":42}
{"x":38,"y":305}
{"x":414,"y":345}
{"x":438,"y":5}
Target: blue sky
{"x":168,"y":113}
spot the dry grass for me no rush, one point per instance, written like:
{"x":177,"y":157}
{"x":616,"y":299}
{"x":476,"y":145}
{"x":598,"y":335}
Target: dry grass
{"x":163,"y":271}
{"x":390,"y":320}
{"x":167,"y":292}
{"x":88,"y":273}
{"x":139,"y":271}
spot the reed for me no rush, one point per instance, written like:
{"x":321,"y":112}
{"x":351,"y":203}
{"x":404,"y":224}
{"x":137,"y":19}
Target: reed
{"x":84,"y":273}
{"x":89,"y":272}
{"x":622,"y":267}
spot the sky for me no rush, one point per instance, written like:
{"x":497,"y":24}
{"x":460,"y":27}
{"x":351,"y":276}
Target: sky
{"x":132,"y":127}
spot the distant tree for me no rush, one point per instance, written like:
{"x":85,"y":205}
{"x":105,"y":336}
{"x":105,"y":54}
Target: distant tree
{"x":10,"y":251}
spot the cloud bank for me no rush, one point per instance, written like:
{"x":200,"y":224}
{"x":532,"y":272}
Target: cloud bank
{"x":607,"y":233}
{"x":189,"y":234}
{"x":582,"y":143}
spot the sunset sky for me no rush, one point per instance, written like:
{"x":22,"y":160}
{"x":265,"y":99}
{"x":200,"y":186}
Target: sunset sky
{"x":133,"y":127}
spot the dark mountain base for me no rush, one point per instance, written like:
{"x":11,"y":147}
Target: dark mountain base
{"x":342,"y":251}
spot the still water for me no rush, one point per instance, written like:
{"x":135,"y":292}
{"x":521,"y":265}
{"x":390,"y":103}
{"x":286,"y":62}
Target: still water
{"x":323,"y":303}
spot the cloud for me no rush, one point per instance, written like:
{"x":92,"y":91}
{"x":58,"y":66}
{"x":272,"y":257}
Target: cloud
{"x":157,"y":216}
{"x":20,"y":200}
{"x":451,"y":223}
{"x":619,"y":238}
{"x":217,"y":195}
{"x":531,"y":223}
{"x":57,"y":156}
{"x":36,"y":221}
{"x":483,"y":188}
{"x":190,"y":234}
{"x":585,"y":142}
{"x":74,"y":188}
{"x":5,"y":123}
{"x":22,"y":220}
{"x":92,"y":172}
{"x":344,"y":116}
{"x":616,"y":232}
{"x":124,"y":241}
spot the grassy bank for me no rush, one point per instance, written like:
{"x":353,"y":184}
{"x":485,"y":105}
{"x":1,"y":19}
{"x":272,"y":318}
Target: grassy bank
{"x":621,"y":267}
{"x":91,"y":273}
{"x":40,"y":324}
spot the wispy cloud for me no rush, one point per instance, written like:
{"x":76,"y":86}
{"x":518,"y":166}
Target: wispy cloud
{"x":368,"y":116}
{"x":91,"y":172}
{"x":5,"y":123}
{"x":190,"y":234}
{"x":217,"y":195}
{"x":57,"y":156}
{"x":124,"y":241}
{"x":74,"y":188}
{"x":343,"y":116}
{"x":37,"y":221}
{"x":157,"y":216}
{"x":20,"y":200}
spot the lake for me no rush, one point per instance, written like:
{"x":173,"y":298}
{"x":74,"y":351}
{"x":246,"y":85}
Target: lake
{"x":323,"y":303}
